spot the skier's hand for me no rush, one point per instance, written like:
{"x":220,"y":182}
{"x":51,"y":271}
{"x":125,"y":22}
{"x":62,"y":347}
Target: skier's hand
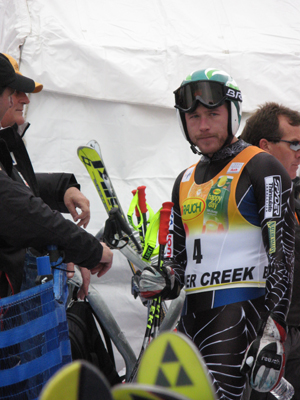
{"x":265,"y":359}
{"x":153,"y":283}
{"x":74,"y":199}
{"x":105,"y":262}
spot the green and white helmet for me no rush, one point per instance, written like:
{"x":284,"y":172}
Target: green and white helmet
{"x":210,"y":87}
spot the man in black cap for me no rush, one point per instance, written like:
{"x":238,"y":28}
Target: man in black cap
{"x":60,"y":191}
{"x":26,"y":220}
{"x":9,"y":82}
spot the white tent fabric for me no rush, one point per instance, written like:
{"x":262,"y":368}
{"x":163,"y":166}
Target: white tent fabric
{"x":109,"y":70}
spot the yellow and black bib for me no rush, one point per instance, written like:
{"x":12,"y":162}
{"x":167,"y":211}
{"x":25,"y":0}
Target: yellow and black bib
{"x":224,"y":250}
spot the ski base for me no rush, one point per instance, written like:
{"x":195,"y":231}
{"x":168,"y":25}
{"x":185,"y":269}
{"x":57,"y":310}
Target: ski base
{"x":173,"y":362}
{"x":79,"y":380}
{"x":131,"y":391}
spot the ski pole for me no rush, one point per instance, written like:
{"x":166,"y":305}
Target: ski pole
{"x":146,"y":340}
{"x":138,"y":217}
{"x":155,"y":306}
{"x":165,"y":214}
{"x":143,"y":206}
{"x":164,"y":222}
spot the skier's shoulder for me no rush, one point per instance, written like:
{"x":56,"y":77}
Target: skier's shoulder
{"x":264,"y":164}
{"x":183,"y":176}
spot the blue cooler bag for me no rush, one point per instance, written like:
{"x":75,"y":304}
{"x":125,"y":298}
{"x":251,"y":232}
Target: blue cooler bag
{"x":34,"y":340}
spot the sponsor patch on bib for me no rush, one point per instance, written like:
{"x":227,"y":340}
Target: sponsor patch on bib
{"x":235,"y":167}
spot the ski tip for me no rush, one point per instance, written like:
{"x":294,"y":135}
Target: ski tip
{"x":92,"y":148}
{"x":174,"y":362}
{"x":79,"y":380}
{"x":94,"y":145}
{"x":135,"y":391}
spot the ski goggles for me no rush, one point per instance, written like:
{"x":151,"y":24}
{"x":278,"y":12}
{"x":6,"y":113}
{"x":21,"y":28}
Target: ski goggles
{"x":209,"y":93}
{"x":294,"y":144}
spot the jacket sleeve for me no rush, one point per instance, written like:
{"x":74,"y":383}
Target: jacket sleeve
{"x":275,"y":203}
{"x":177,"y":233}
{"x":53,"y":186}
{"x":26,"y":221}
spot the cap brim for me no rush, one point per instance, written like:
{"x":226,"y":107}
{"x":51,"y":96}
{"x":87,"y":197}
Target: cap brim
{"x":23,"y":84}
{"x":38,"y":87}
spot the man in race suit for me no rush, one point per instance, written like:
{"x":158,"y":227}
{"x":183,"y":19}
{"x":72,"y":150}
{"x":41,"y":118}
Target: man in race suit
{"x":232,"y":233}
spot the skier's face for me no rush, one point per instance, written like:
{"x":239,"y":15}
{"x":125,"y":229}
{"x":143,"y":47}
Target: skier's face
{"x":5,"y":101}
{"x":207,"y":128}
{"x":15,"y":114}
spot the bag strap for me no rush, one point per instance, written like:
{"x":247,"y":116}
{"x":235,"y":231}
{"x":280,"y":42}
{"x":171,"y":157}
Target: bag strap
{"x":106,"y":337}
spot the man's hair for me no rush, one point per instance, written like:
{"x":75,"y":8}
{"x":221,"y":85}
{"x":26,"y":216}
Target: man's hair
{"x":264,"y":123}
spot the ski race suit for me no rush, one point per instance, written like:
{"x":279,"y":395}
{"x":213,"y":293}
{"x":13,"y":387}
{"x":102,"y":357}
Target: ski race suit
{"x":232,"y":240}
{"x":292,"y":343}
{"x":27,"y":216}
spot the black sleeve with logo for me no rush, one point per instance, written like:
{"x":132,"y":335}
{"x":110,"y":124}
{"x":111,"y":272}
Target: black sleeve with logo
{"x":276,"y":207}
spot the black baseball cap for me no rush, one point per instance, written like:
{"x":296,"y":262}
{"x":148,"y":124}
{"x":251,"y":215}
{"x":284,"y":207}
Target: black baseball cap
{"x":8,"y":77}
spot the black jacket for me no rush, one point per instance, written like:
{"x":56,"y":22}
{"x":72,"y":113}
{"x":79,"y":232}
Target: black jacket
{"x":27,"y":220}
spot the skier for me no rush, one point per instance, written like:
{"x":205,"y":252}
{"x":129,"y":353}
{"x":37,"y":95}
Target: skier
{"x":232,"y":241}
{"x":276,"y":129}
{"x":26,"y":220}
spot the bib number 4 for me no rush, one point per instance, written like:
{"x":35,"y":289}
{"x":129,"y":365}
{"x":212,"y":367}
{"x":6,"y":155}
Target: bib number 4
{"x":197,"y":255}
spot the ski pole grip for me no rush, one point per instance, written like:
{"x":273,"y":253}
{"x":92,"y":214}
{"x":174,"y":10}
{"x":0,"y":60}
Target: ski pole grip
{"x":136,"y":209}
{"x":142,"y":199}
{"x":164,"y":225}
{"x":168,"y":205}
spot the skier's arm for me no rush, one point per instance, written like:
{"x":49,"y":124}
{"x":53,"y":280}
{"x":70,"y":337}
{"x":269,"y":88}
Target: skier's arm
{"x":273,"y":191}
{"x":177,"y":250}
{"x":264,"y":360}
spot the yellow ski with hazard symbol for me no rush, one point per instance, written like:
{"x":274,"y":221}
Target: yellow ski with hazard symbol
{"x":171,"y":366}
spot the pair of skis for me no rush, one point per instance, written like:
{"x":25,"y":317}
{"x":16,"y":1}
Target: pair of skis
{"x":129,"y":242}
{"x":91,"y":157}
{"x":171,"y":369}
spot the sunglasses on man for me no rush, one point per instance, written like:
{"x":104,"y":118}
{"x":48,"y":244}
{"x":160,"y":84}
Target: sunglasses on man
{"x":294,"y":144}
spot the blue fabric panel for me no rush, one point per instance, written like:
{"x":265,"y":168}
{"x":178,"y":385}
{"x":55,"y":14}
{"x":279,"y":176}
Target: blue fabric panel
{"x":34,"y":339}
{"x":228,"y":296}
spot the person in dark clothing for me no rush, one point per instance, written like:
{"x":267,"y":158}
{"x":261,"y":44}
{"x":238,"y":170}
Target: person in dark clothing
{"x":232,"y":241}
{"x":26,"y":220}
{"x":276,"y":129}
{"x":60,"y":191}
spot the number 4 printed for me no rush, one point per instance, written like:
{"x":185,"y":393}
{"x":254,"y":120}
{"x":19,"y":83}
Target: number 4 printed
{"x":197,"y":256}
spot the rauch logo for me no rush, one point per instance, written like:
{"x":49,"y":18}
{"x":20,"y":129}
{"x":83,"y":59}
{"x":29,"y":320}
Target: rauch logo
{"x":192,"y":208}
